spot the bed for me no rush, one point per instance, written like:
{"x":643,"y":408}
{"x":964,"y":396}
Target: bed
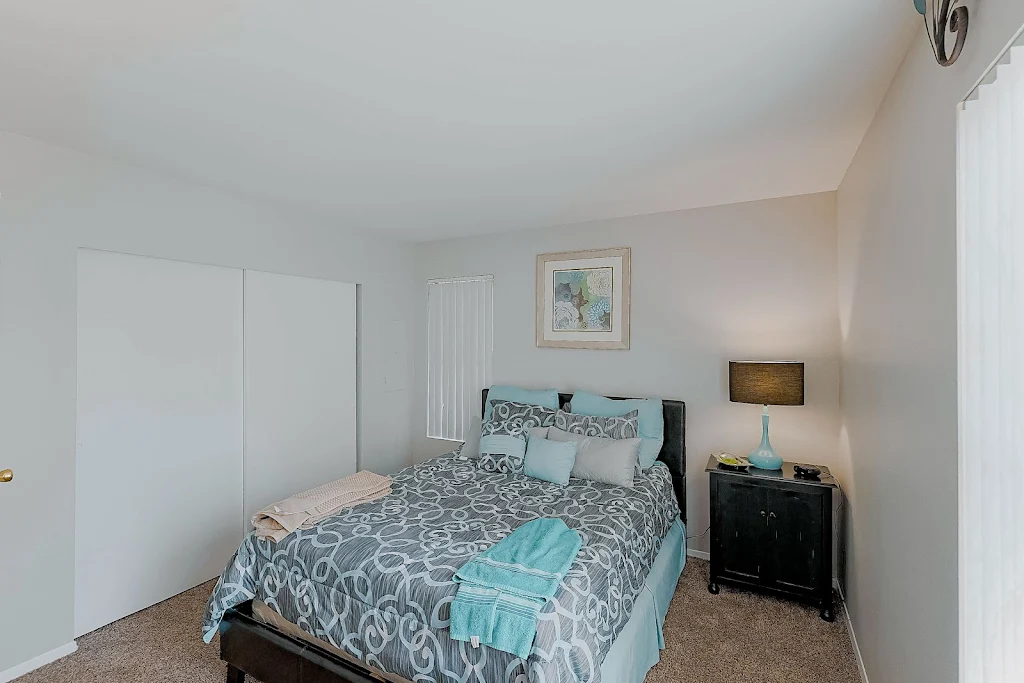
{"x":365,"y":595}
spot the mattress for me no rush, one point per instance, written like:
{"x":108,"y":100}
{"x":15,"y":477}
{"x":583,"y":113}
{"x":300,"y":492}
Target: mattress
{"x":376,"y":581}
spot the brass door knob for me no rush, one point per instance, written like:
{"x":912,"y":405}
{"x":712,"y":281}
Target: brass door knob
{"x":6,"y":476}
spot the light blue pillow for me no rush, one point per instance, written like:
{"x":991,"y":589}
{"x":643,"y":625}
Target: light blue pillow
{"x":550,"y":460}
{"x":652,"y":419}
{"x":542,"y":397}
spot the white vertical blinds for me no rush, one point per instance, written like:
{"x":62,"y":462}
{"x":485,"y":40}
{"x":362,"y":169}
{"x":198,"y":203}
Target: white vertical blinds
{"x":991,"y":378}
{"x":459,"y":350}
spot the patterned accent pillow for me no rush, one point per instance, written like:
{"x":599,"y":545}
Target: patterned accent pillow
{"x":503,"y":464}
{"x":514,"y":426}
{"x":624,"y":427}
{"x":531,"y":415}
{"x":503,"y":445}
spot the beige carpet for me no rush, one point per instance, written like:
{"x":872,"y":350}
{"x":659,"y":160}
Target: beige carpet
{"x":723,"y":638}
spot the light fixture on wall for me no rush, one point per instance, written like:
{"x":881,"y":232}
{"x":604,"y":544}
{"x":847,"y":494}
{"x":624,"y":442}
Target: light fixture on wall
{"x":941,"y":16}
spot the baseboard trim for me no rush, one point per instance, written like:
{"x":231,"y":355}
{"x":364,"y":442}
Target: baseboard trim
{"x":699,"y":554}
{"x":36,"y":662}
{"x":853,"y":635}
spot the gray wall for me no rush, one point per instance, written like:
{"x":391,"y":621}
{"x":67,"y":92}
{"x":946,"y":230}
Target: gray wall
{"x":897,"y":273}
{"x":54,"y":201}
{"x":754,"y":280}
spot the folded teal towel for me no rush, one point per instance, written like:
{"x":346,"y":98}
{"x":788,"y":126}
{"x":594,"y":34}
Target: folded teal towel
{"x":504,"y":588}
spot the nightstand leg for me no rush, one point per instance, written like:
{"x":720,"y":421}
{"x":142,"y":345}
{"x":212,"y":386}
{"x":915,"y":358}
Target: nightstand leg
{"x":713,"y":588}
{"x":827,"y":613}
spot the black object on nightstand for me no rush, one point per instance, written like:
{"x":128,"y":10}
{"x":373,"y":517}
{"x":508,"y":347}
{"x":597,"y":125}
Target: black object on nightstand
{"x":771,"y":531}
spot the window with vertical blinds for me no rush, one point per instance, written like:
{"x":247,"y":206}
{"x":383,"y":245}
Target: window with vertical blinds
{"x":459,"y":349}
{"x":991,"y":377}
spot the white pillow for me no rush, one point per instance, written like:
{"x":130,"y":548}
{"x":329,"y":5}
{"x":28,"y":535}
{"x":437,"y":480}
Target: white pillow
{"x":609,"y":461}
{"x":471,"y":448}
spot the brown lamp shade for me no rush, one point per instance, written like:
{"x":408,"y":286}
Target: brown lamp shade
{"x":769,"y":383}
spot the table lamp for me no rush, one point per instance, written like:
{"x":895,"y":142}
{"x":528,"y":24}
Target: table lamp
{"x":767,"y":383}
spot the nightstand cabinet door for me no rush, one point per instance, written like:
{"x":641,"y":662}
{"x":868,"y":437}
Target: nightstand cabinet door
{"x":795,"y":534}
{"x":741,"y":529}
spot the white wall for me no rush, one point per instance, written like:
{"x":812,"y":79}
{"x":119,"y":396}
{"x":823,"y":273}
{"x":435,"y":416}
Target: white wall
{"x":897,"y":268}
{"x":54,"y":201}
{"x":754,"y":280}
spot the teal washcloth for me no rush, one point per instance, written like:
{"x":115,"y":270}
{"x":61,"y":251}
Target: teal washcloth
{"x":504,"y":588}
{"x":473,"y":613}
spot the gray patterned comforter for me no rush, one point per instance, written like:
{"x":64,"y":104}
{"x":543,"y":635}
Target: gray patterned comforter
{"x":376,"y":580}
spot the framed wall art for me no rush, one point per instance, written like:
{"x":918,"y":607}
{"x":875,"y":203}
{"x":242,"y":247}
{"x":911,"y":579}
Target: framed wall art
{"x":583,"y":299}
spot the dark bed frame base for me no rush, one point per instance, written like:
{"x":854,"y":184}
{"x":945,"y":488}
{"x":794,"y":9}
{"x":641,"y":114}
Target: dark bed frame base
{"x":264,"y":652}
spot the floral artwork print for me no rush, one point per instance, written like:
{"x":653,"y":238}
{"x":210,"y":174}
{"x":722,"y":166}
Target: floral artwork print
{"x":583,"y":300}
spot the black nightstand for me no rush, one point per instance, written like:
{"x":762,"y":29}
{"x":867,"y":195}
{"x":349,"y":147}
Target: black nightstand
{"x":771,"y":531}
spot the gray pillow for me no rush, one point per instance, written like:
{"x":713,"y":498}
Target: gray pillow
{"x":537,"y":433}
{"x":624,"y":427}
{"x":609,"y":461}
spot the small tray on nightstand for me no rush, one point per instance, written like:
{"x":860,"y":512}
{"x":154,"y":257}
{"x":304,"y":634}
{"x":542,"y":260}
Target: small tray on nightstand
{"x":728,"y":461}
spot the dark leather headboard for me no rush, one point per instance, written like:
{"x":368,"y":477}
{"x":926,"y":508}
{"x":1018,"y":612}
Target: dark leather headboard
{"x":673,"y":452}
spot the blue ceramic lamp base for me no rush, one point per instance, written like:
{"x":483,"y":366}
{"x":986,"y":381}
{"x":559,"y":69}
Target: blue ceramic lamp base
{"x":764,"y":456}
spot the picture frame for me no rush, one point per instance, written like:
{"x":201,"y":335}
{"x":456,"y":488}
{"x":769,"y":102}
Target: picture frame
{"x":583,"y":299}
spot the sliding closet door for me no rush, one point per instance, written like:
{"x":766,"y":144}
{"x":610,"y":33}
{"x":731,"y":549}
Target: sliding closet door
{"x":300,"y":385}
{"x":159,"y":461}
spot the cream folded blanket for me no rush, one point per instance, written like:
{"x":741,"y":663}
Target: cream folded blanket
{"x":304,"y":510}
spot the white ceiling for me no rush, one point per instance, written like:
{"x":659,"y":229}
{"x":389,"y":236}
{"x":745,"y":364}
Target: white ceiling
{"x":438,"y":118}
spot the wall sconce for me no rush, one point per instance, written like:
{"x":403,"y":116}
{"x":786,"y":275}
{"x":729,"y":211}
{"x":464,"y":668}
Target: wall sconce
{"x":940,"y":16}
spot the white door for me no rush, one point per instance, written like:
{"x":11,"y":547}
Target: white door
{"x":300,"y":385}
{"x":159,"y":459}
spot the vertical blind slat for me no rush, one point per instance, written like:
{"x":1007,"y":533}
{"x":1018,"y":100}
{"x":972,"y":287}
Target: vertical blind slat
{"x":457,"y":360}
{"x":433,"y":362}
{"x":988,"y":202}
{"x":459,"y":353}
{"x":474,"y":351}
{"x":449,"y":359}
{"x":489,"y":331}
